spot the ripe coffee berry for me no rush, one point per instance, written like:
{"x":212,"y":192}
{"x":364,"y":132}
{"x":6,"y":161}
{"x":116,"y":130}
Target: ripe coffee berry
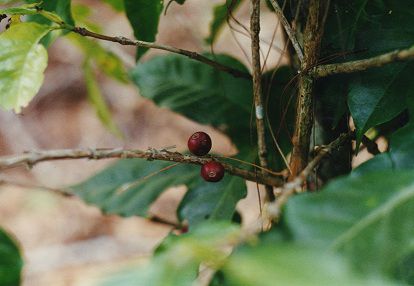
{"x":199,"y":143}
{"x":212,"y":171}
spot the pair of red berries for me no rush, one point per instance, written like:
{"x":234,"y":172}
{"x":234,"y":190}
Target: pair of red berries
{"x":200,"y":144}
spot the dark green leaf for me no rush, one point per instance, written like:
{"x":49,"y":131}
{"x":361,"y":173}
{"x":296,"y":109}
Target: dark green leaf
{"x":22,"y":63}
{"x":374,"y":27}
{"x":212,"y":201}
{"x":144,"y":16}
{"x":220,"y":15}
{"x":378,"y":96}
{"x":10,"y":261}
{"x":197,"y":91}
{"x":367,"y":217}
{"x":62,"y":8}
{"x":123,"y":188}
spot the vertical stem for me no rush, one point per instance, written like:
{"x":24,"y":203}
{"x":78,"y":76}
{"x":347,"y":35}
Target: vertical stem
{"x":304,"y":111}
{"x":257,"y":89}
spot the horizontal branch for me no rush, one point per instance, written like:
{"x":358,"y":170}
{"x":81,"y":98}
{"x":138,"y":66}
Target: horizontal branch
{"x":361,"y":65}
{"x":33,"y":157}
{"x":129,"y":42}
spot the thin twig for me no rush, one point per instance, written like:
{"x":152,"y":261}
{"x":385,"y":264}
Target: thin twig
{"x":361,"y":65}
{"x":129,"y":42}
{"x":288,"y":29}
{"x":33,"y":157}
{"x":294,"y":186}
{"x":61,"y":192}
{"x":257,"y":91}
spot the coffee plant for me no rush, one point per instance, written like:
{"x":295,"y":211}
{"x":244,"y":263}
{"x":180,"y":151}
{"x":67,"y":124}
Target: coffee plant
{"x":349,"y":82}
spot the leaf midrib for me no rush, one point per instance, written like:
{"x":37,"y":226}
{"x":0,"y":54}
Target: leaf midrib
{"x":403,"y":196}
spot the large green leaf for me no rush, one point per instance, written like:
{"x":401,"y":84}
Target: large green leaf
{"x":288,"y":264}
{"x":367,"y":217}
{"x":197,"y":91}
{"x":129,"y":188}
{"x":220,"y":16}
{"x":10,"y":261}
{"x":123,"y":189}
{"x":144,"y":16}
{"x":178,"y":262}
{"x":61,"y":8}
{"x":22,"y":63}
{"x":378,"y":95}
{"x":216,"y":98}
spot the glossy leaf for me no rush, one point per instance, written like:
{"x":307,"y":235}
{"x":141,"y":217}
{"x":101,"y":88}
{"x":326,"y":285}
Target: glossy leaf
{"x":123,"y":188}
{"x":367,"y":217}
{"x":288,"y":264}
{"x":144,"y":16}
{"x":56,"y":11}
{"x":10,"y":261}
{"x":197,"y":91}
{"x":220,"y":16}
{"x":98,"y":101}
{"x":379,"y":95}
{"x":212,"y":201}
{"x":22,"y":63}
{"x":178,"y":263}
{"x":208,"y":96}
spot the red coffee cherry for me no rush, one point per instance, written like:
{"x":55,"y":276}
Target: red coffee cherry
{"x":199,"y":143}
{"x":212,"y":171}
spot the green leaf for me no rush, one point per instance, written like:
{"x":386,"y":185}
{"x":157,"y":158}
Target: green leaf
{"x":128,"y":188}
{"x":117,"y":5}
{"x":178,"y":263}
{"x":97,"y":100}
{"x":208,"y":96}
{"x":53,"y":11}
{"x":22,"y":63}
{"x":378,"y":96}
{"x":123,"y":188}
{"x":197,"y":91}
{"x":81,"y":14}
{"x":367,"y":217}
{"x":220,"y":15}
{"x":399,"y":157}
{"x":372,"y":28}
{"x":204,"y":201}
{"x":107,"y":61}
{"x":27,"y":9}
{"x":10,"y":261}
{"x":288,"y":264}
{"x":144,"y":17}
